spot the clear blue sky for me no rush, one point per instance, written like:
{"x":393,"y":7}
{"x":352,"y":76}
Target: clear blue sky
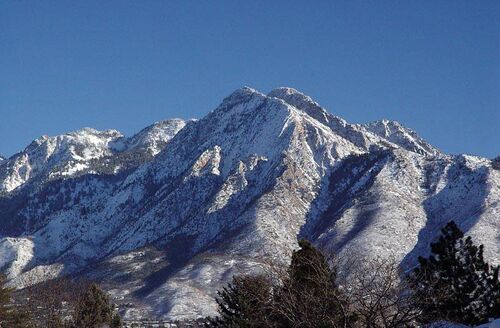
{"x":432,"y":65}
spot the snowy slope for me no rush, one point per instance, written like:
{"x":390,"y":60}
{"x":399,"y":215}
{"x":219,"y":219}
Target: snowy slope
{"x":84,"y":151}
{"x":15,"y":253}
{"x":165,"y":217}
{"x":152,"y":138}
{"x":58,"y":156}
{"x":394,"y":132}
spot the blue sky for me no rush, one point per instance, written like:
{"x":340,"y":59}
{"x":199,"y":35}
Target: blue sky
{"x":432,"y":65}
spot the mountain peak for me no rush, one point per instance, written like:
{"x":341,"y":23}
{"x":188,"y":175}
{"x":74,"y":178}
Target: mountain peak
{"x":87,"y":131}
{"x":283,"y":92}
{"x":41,"y":139}
{"x":152,"y":138}
{"x":243,"y":92}
{"x":395,"y":132}
{"x":247,"y":180}
{"x":302,"y":102}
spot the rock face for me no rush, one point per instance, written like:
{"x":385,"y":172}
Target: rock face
{"x":165,"y":217}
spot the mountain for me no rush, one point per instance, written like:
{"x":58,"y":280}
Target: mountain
{"x":153,"y":138}
{"x":84,"y":151}
{"x":164,"y":218}
{"x":57,"y":156}
{"x":404,"y":137}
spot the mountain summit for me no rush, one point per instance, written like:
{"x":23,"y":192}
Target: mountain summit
{"x":167,"y":216}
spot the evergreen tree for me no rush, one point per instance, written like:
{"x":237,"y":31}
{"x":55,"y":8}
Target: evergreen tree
{"x":455,"y":283}
{"x":302,"y":295}
{"x":309,"y":296}
{"x":94,"y":310}
{"x":116,"y":321}
{"x":245,"y":302}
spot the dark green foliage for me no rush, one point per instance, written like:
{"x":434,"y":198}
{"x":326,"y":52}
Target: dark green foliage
{"x":48,"y":304}
{"x":309,"y":269}
{"x":309,"y":294}
{"x":116,"y":321}
{"x":455,"y":283}
{"x":304,"y":295}
{"x":245,"y":302}
{"x":94,"y":309}
{"x":62,"y":303}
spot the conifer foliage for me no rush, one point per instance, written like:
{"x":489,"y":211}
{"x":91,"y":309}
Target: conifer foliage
{"x":463,"y":288}
{"x":309,"y":296}
{"x":304,"y":295}
{"x":245,"y":302}
{"x":94,"y":310}
{"x":58,"y":303}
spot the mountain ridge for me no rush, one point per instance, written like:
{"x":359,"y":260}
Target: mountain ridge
{"x":237,"y":187}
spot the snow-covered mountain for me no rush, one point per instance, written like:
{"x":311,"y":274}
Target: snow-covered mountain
{"x":85,"y":151}
{"x":165,"y":217}
{"x":153,"y":138}
{"x":56,"y":156}
{"x":402,"y":136}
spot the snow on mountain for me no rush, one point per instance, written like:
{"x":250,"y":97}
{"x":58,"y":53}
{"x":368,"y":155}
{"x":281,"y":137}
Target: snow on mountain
{"x":85,"y":151}
{"x":51,"y":157}
{"x":202,"y":200}
{"x":152,"y":138}
{"x":355,"y":134}
{"x":15,"y":253}
{"x":400,"y":135}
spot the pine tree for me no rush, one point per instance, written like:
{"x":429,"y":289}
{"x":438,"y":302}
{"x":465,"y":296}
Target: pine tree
{"x":455,"y":283}
{"x":244,"y":303}
{"x":94,"y":310}
{"x":309,"y":296}
{"x":302,"y":295}
{"x":116,"y":321}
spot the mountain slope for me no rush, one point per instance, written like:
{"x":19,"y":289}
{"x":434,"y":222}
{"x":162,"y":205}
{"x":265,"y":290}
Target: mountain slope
{"x":163,"y":218}
{"x":402,"y":136}
{"x":152,"y":138}
{"x":55,"y":157}
{"x":84,"y":151}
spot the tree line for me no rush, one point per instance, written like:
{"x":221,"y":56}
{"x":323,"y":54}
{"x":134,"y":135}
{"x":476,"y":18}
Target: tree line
{"x":58,"y":303}
{"x":454,"y":284}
